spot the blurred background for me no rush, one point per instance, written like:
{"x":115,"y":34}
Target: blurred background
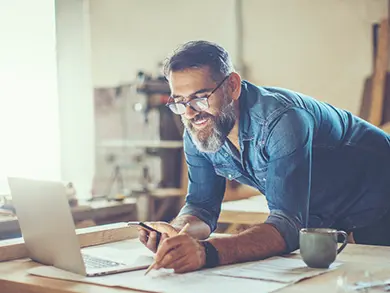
{"x":82,"y":96}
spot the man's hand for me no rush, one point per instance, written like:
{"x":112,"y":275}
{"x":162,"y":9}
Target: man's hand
{"x":182,"y":253}
{"x":149,"y":238}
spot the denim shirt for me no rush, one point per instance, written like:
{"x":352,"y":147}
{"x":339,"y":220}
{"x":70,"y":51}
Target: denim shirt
{"x":317,"y":165}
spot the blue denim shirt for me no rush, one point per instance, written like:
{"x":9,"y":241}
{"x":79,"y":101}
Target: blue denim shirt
{"x":317,"y":165}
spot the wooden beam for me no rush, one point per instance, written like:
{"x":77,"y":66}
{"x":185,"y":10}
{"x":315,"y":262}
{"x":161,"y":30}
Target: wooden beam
{"x":167,"y":192}
{"x":379,"y":76}
{"x":386,"y":127}
{"x":242,"y":217}
{"x":15,"y":248}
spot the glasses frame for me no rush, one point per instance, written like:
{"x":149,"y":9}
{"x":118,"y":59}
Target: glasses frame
{"x":205,"y":98}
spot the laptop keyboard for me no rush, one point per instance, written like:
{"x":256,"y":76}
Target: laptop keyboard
{"x":98,"y":263}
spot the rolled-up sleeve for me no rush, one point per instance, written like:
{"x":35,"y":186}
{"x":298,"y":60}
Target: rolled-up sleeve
{"x":289,"y":147}
{"x":205,"y":188}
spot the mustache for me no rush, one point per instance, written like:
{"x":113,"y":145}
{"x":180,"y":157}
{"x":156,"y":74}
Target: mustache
{"x":201,"y":116}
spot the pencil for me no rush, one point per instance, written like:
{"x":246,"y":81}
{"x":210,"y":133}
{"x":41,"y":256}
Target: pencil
{"x":185,"y":228}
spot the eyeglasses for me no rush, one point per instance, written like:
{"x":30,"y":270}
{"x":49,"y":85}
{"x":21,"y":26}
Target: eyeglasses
{"x":196,"y":104}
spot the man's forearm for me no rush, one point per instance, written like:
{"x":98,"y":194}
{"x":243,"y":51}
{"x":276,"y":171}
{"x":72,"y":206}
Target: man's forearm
{"x":197,"y":229}
{"x":258,"y":242}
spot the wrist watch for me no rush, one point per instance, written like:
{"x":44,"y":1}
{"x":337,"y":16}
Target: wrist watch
{"x":212,"y":257}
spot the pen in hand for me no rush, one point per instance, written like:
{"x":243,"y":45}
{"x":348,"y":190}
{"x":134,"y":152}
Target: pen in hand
{"x":185,"y":228}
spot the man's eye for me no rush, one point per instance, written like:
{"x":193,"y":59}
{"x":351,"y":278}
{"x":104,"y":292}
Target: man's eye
{"x":202,"y":97}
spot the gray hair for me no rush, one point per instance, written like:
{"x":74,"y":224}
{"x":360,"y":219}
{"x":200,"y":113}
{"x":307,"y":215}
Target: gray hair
{"x":195,"y":54}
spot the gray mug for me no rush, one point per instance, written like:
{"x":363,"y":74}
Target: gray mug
{"x":318,"y":246}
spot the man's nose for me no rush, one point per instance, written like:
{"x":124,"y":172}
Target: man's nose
{"x":190,"y":113}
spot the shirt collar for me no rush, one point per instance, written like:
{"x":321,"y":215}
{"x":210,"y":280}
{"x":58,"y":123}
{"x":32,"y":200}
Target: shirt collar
{"x":246,"y":102}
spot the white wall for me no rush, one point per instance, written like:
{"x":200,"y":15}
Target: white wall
{"x":46,"y":105}
{"x":75,"y":94}
{"x":132,"y":35}
{"x":322,"y":48}
{"x":29,"y":118}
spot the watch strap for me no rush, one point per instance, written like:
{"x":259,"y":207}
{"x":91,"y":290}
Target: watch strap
{"x":212,"y":257}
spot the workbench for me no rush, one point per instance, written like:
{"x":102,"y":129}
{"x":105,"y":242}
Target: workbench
{"x":356,"y":258}
{"x":84,"y":214}
{"x":243,"y":212}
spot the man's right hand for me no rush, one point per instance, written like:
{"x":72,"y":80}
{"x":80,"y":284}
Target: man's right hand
{"x":149,"y":238}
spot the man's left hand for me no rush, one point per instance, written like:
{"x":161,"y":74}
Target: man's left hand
{"x":181,"y":253}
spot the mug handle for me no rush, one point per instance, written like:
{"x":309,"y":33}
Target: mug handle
{"x":345,"y":241}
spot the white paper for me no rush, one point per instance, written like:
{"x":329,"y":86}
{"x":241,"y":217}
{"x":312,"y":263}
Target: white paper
{"x":195,"y":282}
{"x":166,"y":281}
{"x":139,"y":256}
{"x":261,"y":276}
{"x":278,"y":269}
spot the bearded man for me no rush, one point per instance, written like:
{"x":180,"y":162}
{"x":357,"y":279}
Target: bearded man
{"x":317,"y":165}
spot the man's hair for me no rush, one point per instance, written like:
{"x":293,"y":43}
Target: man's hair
{"x":196,"y":54}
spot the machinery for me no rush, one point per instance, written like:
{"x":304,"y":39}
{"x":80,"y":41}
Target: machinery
{"x":156,"y":92}
{"x":144,"y":96}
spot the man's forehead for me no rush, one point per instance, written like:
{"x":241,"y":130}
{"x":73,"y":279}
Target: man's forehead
{"x":186,"y":82}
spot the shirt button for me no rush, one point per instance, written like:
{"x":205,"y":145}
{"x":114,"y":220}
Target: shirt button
{"x":230,"y":176}
{"x":264,"y":179}
{"x":226,"y":155}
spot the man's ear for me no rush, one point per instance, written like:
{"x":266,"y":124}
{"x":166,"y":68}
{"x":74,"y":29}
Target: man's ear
{"x":235,"y":85}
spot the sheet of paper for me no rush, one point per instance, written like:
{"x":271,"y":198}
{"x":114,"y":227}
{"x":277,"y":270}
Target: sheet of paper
{"x":166,"y":281}
{"x":262,"y":276}
{"x":278,"y":269}
{"x":123,"y":253}
{"x":125,"y":245}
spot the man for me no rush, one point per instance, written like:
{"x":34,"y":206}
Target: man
{"x":317,"y":165}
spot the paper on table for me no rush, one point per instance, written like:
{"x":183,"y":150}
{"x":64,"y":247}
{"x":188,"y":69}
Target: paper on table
{"x":125,"y":246}
{"x":140,"y":256}
{"x":277,"y":269}
{"x":165,"y":281}
{"x":264,"y":276}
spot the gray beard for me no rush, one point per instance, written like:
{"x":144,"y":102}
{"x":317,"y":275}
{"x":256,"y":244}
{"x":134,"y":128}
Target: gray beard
{"x":211,"y":139}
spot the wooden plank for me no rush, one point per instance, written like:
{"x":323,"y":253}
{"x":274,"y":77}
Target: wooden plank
{"x":357,"y":259}
{"x":16,"y":249}
{"x":15,"y":279}
{"x":249,"y":211}
{"x":386,"y":127}
{"x":242,"y":217}
{"x":379,"y":76}
{"x":167,"y":192}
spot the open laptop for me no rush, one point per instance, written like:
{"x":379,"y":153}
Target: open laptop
{"x":49,"y":234}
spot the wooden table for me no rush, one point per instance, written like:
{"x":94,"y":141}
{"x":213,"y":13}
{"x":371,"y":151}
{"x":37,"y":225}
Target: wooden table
{"x":13,"y":276}
{"x":249,"y":211}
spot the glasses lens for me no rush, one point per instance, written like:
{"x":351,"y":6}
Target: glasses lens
{"x":177,"y":108}
{"x":199,"y":104}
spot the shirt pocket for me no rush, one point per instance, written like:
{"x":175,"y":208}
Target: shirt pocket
{"x":234,"y":174}
{"x":261,"y":177}
{"x":227,"y":171}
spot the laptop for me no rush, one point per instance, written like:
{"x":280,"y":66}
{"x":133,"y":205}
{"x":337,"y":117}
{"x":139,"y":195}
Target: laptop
{"x":49,"y":233}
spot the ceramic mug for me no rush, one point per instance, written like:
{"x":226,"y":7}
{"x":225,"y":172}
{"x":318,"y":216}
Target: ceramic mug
{"x":319,"y":247}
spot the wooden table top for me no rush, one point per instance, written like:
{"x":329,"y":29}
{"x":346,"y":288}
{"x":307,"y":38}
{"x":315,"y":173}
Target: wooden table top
{"x":356,"y":258}
{"x":245,"y":211}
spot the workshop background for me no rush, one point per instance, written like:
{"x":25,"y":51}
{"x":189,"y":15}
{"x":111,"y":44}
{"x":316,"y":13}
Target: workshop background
{"x":82,"y":96}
